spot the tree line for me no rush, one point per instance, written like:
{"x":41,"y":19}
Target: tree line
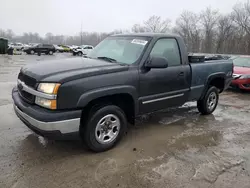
{"x":208,"y":31}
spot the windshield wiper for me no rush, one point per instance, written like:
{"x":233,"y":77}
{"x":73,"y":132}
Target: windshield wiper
{"x":107,"y":59}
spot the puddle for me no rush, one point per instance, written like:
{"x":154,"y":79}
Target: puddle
{"x":191,"y":139}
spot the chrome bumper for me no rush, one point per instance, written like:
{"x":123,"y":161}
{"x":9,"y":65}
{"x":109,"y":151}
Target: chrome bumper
{"x":65,"y":126}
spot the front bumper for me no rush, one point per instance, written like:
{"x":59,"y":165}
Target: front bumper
{"x":241,"y":83}
{"x":47,"y":123}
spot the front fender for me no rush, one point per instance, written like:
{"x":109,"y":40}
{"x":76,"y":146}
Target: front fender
{"x":87,"y":97}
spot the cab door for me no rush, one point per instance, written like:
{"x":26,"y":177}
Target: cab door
{"x":164,"y":87}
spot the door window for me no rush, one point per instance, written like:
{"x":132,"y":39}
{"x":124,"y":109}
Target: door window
{"x":88,"y":47}
{"x":169,"y":49}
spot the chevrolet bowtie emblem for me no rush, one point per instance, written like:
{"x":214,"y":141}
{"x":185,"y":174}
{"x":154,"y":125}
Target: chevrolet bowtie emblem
{"x":20,"y":86}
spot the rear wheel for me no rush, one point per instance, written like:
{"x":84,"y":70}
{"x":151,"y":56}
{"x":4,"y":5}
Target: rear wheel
{"x":32,"y":52}
{"x":50,"y":52}
{"x":105,"y":127}
{"x":209,"y":102}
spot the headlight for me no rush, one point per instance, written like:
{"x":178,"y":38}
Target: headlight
{"x":49,"y":88}
{"x":247,"y":76}
{"x":47,"y":103}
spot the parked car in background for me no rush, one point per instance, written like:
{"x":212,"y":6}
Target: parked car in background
{"x":33,"y":44}
{"x":58,"y":48}
{"x":17,"y":46}
{"x":41,"y":48}
{"x":26,"y":46}
{"x":65,"y":48}
{"x":215,"y":57}
{"x":72,"y":47}
{"x":82,"y":50}
{"x":241,"y":72}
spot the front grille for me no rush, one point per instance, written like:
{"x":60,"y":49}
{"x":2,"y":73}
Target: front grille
{"x":31,"y":82}
{"x":246,"y":85}
{"x":27,"y":96}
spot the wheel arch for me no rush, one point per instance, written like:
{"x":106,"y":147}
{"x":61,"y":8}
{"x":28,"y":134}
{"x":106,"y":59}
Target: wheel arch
{"x":123,"y":96}
{"x":217,"y":80}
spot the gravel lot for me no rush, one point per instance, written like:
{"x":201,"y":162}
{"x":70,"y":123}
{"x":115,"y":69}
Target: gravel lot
{"x":174,"y":148}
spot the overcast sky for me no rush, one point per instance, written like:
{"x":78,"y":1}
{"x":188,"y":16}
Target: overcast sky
{"x":65,"y":16}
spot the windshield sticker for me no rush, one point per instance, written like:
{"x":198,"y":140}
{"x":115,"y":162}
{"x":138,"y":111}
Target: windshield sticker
{"x":138,"y":41}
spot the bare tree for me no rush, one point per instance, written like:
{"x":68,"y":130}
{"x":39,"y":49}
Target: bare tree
{"x":187,"y":26}
{"x":241,"y":15}
{"x":2,"y":33}
{"x":209,"y":19}
{"x":225,"y":30}
{"x":157,"y":25}
{"x":9,"y":34}
{"x":49,"y":37}
{"x":137,"y":28}
{"x":6,"y":34}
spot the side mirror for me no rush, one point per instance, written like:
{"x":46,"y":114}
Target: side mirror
{"x":157,"y":62}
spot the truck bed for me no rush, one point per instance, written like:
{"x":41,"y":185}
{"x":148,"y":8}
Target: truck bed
{"x":203,"y":71}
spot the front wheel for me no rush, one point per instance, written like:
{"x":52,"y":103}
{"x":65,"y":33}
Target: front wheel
{"x":104,"y":128}
{"x":50,"y":52}
{"x":209,"y":102}
{"x":79,"y":53}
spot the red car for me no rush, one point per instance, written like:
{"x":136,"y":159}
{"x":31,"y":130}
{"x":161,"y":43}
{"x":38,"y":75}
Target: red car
{"x":241,"y":72}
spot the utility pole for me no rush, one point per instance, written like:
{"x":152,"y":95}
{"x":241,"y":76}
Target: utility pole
{"x":81,"y":32}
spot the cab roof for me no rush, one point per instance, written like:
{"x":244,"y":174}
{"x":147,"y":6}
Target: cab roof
{"x":157,"y":35}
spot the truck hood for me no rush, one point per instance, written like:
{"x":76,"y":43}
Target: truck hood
{"x":69,"y":69}
{"x":241,"y":70}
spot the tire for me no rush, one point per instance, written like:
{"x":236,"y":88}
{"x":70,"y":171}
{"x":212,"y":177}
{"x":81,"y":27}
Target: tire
{"x":32,"y":52}
{"x":209,"y":102}
{"x":96,"y":136}
{"x":79,"y":53}
{"x":50,"y":52}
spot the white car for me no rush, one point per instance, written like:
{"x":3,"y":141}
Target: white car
{"x":58,"y":48}
{"x":82,"y":50}
{"x":26,"y":46}
{"x":17,"y":46}
{"x":73,"y":47}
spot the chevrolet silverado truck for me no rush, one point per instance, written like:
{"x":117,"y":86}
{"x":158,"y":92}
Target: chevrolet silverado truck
{"x":94,"y":97}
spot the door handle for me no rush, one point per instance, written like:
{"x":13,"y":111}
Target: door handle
{"x":181,"y":74}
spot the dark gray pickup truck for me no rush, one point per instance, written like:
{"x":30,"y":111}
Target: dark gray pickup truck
{"x":93,"y":97}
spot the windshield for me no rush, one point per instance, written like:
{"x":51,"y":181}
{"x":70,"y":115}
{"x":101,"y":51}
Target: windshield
{"x":121,"y":49}
{"x":242,"y":62}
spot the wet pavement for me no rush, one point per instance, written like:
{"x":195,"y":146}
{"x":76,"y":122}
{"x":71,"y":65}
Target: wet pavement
{"x":173,"y":148}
